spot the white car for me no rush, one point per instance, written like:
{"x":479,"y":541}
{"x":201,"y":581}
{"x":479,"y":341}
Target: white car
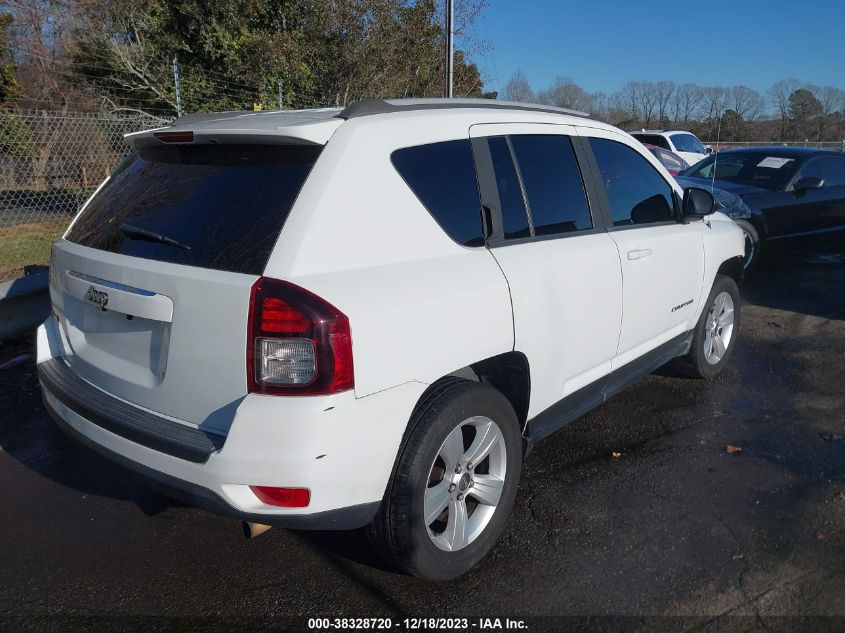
{"x":366,"y":317}
{"x":684,"y":144}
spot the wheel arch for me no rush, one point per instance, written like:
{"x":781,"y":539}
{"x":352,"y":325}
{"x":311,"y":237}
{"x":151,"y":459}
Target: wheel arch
{"x":732,"y":268}
{"x":509,"y":373}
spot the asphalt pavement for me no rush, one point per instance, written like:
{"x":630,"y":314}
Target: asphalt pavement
{"x":677,"y":527}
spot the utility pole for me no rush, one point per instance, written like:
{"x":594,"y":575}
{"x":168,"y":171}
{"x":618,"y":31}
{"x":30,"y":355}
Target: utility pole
{"x":177,"y":80}
{"x":448,"y":90}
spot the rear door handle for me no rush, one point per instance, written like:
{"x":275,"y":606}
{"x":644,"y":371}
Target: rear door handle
{"x":639,"y":253}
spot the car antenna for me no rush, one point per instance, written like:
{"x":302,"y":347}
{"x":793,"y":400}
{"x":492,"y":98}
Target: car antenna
{"x":718,"y":136}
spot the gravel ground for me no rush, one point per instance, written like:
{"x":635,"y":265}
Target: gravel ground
{"x":677,"y":529}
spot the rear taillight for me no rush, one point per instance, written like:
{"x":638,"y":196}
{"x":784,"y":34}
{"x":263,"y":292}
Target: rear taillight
{"x":298,"y":345}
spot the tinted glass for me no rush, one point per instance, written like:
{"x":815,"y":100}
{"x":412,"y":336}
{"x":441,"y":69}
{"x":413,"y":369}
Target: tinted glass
{"x":514,"y":218}
{"x":636,"y":192}
{"x":553,"y":184}
{"x":831,"y":170}
{"x":442,"y":175}
{"x":687,"y":143}
{"x":670,"y":160}
{"x":652,"y":139}
{"x":225,"y":204}
{"x":756,"y":169}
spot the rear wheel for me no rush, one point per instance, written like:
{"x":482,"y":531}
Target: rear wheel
{"x":454,"y":484}
{"x":715,"y":334}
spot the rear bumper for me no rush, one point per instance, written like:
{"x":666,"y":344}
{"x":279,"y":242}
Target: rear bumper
{"x":347,"y":518}
{"x":340,"y":447}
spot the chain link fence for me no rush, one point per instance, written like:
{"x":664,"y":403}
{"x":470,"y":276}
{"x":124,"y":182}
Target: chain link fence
{"x":50,"y":162}
{"x":829,"y":145}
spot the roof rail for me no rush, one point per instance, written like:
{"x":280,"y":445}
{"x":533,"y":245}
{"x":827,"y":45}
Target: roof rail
{"x":367,"y":107}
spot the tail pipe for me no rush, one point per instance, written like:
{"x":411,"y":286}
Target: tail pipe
{"x":251,"y":530}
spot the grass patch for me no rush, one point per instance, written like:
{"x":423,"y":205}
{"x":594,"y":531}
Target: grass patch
{"x":26,"y":244}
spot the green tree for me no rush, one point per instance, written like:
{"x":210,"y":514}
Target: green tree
{"x":234,"y":53}
{"x":803,"y":108}
{"x":9,"y":85}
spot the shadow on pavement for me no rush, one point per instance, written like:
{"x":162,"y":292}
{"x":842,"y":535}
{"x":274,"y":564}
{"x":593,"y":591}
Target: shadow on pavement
{"x":806,"y":284}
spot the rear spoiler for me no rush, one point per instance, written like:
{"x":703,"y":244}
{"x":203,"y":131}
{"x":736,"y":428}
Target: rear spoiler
{"x":263,"y":128}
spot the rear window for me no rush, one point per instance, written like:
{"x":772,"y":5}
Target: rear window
{"x":442,"y":175}
{"x":652,"y":139}
{"x":209,"y":206}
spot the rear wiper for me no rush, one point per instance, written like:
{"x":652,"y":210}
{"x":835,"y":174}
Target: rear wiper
{"x":150,"y":236}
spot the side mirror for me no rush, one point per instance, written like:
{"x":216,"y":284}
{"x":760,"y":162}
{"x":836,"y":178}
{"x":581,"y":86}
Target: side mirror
{"x":808,"y":182}
{"x":708,"y":149}
{"x":698,"y":203}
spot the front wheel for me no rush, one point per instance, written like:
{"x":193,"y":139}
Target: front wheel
{"x":454,"y":484}
{"x":715,"y":334}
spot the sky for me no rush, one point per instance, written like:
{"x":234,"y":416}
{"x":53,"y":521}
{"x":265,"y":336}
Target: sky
{"x":602,"y":44}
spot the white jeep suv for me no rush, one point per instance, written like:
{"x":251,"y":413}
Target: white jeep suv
{"x":366,"y":317}
{"x":684,"y":144}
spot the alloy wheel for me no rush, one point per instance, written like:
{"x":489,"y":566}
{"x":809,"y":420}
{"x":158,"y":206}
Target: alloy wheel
{"x":465,"y":483}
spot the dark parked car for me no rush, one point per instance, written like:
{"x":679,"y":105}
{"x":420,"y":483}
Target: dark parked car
{"x":726,"y":202}
{"x":796,"y":195}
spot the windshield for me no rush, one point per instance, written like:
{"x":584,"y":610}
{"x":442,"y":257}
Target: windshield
{"x":211,"y":206}
{"x":754,"y":169}
{"x":687,"y":143}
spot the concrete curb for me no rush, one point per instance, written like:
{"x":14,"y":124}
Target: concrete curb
{"x":24,"y":302}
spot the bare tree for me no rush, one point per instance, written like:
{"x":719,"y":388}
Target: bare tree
{"x":746,"y":102}
{"x":685,"y":102}
{"x":831,"y":98}
{"x":713,"y":103}
{"x":565,"y":93}
{"x":663,"y":92}
{"x":832,"y":101}
{"x":644,"y":95}
{"x":599,"y":105}
{"x":779,"y":95}
{"x":629,"y":96}
{"x":518,"y":88}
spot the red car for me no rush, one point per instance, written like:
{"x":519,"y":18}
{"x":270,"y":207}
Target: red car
{"x":670,"y":160}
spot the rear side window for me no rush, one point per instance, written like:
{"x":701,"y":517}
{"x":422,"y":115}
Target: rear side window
{"x":209,"y":206}
{"x":553,"y":185}
{"x":830,"y":170}
{"x":442,"y":175}
{"x":514,"y":216}
{"x":636,"y":191}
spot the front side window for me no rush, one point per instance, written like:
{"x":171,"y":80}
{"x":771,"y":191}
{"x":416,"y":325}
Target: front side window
{"x":442,"y":175}
{"x":553,"y":185}
{"x":636,"y":191}
{"x":829,"y":169}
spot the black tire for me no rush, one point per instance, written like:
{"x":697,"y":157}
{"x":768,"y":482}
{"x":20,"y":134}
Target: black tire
{"x":695,"y":364}
{"x":399,"y":532}
{"x":753,"y":246}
